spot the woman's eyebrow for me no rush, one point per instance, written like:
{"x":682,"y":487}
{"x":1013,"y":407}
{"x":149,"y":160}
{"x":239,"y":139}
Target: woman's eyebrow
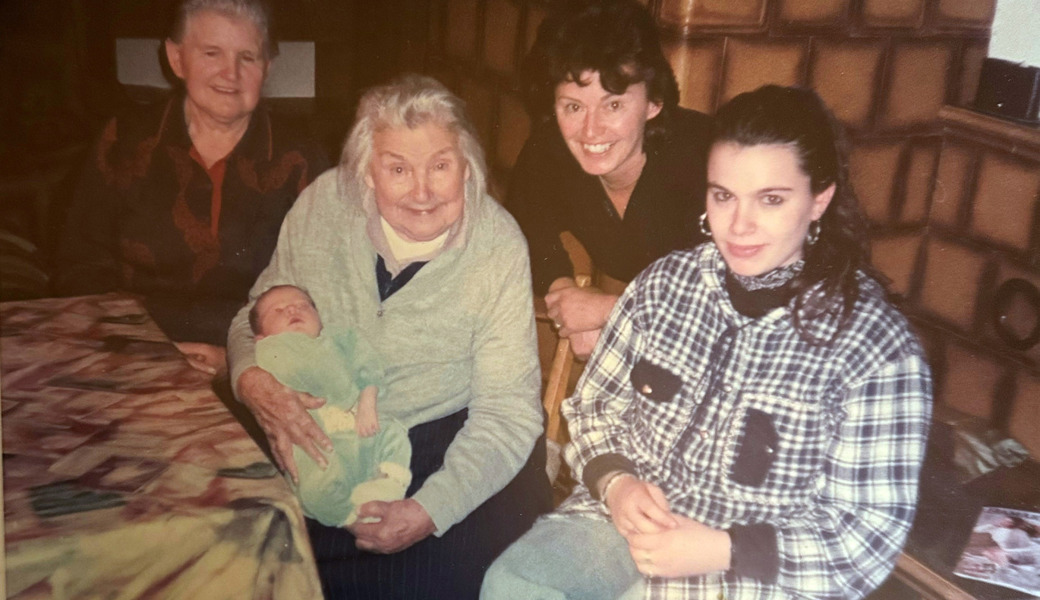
{"x":390,"y":154}
{"x":606,"y":96}
{"x":768,"y":190}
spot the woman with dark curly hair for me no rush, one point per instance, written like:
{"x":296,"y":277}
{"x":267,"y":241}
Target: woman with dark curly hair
{"x":615,"y":160}
{"x":752,"y":424}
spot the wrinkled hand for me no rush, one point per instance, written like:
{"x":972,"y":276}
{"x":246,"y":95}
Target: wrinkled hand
{"x":638,"y":506}
{"x":282,"y":413}
{"x":578,"y":309}
{"x":207,"y":358}
{"x":401,"y":524}
{"x":366,"y":421}
{"x":686,"y":550}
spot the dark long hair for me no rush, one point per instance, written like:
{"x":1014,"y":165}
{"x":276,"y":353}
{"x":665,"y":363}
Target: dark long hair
{"x":797,"y":118}
{"x":617,"y":38}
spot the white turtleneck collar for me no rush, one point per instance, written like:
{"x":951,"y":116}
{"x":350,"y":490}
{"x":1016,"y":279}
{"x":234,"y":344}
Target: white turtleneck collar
{"x":406,"y":251}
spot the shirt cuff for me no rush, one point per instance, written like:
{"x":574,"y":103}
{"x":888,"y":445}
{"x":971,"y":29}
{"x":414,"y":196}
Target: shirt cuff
{"x":753,"y":552}
{"x":600,"y":466}
{"x":441,"y":522}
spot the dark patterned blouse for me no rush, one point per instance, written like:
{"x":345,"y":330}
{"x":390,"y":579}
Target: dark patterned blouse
{"x":148,"y":218}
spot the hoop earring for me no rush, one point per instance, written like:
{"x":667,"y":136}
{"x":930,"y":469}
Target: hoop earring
{"x":705,"y":228}
{"x":814,"y":233}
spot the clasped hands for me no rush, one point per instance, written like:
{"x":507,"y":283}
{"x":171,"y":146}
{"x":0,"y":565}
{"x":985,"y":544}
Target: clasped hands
{"x":661,"y":542}
{"x":282,"y":413}
{"x":579,"y":313}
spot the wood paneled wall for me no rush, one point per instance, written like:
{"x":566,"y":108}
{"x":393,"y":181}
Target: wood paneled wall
{"x":953,"y":208}
{"x":954,"y":211}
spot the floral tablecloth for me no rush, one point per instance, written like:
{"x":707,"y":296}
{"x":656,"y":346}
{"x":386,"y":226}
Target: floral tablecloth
{"x":124,"y":475}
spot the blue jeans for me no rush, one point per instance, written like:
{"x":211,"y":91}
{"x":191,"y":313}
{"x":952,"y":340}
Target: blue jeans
{"x":565,"y":558}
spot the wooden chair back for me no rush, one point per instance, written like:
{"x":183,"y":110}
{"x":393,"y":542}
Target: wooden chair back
{"x":558,"y":384}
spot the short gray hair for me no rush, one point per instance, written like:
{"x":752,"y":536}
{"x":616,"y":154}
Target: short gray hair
{"x":257,"y":11}
{"x":410,"y":101}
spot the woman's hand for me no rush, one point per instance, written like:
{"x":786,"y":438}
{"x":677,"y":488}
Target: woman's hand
{"x":580,"y":313}
{"x":207,"y":358}
{"x":400,"y":524}
{"x":690,"y":548}
{"x":584,"y":342}
{"x":637,"y":506}
{"x":578,"y":309}
{"x":282,"y":413}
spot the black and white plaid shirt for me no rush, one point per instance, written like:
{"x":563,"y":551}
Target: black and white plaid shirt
{"x":744,"y":424}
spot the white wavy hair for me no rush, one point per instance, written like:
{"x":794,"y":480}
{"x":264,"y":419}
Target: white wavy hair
{"x":409,"y":101}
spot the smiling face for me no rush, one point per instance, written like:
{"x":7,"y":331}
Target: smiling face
{"x":286,"y":308}
{"x":222,"y":63}
{"x":418,"y":176}
{"x":760,"y":205}
{"x":604,"y":131}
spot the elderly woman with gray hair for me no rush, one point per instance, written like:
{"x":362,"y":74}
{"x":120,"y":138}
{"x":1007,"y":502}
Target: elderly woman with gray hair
{"x":403,"y":244}
{"x":181,"y":201}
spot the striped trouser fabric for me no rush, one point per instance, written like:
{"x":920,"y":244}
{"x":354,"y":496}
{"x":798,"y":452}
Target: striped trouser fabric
{"x":448,"y":567}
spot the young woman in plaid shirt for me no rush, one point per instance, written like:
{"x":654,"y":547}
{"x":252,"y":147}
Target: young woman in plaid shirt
{"x":753,"y":421}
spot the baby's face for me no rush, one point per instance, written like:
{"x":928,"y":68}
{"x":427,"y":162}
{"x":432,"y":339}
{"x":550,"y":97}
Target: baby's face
{"x":288,"y":309}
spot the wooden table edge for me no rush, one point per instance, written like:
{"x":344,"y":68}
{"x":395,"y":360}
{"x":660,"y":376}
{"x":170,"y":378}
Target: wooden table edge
{"x":924,"y":580}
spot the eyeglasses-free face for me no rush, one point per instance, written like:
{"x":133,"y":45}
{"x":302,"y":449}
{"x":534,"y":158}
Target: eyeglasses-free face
{"x":760,"y":205}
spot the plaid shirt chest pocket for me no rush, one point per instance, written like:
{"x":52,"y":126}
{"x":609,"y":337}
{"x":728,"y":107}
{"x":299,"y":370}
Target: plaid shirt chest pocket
{"x":775,"y":449}
{"x":657,"y":407}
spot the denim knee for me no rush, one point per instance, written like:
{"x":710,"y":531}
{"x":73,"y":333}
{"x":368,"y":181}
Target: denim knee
{"x":563,"y":558}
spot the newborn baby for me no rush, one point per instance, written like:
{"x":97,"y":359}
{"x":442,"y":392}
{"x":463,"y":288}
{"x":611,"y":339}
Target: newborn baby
{"x":369,"y":459}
